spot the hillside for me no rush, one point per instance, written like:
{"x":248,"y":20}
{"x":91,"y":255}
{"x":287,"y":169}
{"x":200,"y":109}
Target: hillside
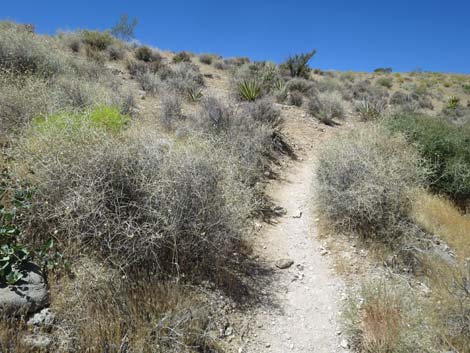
{"x":153,"y":201}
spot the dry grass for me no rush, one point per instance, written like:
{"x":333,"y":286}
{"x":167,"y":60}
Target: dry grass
{"x":440,"y":216}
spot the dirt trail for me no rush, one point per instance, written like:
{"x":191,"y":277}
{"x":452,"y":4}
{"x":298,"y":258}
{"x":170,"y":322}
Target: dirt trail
{"x":308,"y":293}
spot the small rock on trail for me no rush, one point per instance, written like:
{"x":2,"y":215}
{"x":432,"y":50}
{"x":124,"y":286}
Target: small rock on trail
{"x":284,"y":263}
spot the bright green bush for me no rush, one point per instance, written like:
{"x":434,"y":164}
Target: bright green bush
{"x":107,"y":118}
{"x":249,"y":90}
{"x":446,"y":146}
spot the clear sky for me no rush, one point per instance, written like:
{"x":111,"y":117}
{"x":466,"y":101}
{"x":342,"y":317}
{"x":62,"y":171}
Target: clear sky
{"x":349,"y":35}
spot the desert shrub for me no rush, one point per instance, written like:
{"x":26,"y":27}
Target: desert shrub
{"x":411,"y":102}
{"x":249,"y":90}
{"x":144,"y":53}
{"x":364,"y":182}
{"x":445,"y":146}
{"x":466,"y":88}
{"x":136,"y":68}
{"x":297,"y":65}
{"x":195,"y":94}
{"x":247,"y":140}
{"x":23,"y":52}
{"x":132,"y":199}
{"x":182,"y":57}
{"x":296,"y":98}
{"x":458,"y":115}
{"x":171,"y":110}
{"x":206,"y":58}
{"x":264,"y":111}
{"x":22,"y":100}
{"x":364,"y":90}
{"x":116,"y":52}
{"x":329,"y":84}
{"x":215,"y":115}
{"x":97,"y":40}
{"x":301,"y":85}
{"x":327,"y":106}
{"x":237,"y":61}
{"x":182,"y":78}
{"x":149,"y":82}
{"x":386,"y":82}
{"x":220,"y":65}
{"x":72,"y":40}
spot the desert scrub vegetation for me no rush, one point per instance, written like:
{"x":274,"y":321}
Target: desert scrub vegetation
{"x":445,"y":146}
{"x":138,"y":204}
{"x":365,"y":180}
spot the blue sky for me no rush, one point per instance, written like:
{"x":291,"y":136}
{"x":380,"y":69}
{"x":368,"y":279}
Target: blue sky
{"x":349,"y":35}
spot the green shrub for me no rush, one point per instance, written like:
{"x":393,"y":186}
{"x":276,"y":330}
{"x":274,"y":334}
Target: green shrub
{"x":365,"y":178}
{"x":182,"y":57}
{"x":104,"y":117}
{"x":386,"y":82}
{"x":206,"y":59}
{"x":297,"y":65}
{"x":445,"y":146}
{"x":144,"y":53}
{"x":97,"y":40}
{"x":249,"y":90}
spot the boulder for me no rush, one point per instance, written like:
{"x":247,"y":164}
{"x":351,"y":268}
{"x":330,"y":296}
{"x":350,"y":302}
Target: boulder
{"x":284,"y":263}
{"x":27,"y":296}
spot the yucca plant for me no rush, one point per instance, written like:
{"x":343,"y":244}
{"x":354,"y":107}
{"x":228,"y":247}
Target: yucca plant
{"x":370,"y":109}
{"x":195,"y":94}
{"x":249,"y":90}
{"x":453,"y":102}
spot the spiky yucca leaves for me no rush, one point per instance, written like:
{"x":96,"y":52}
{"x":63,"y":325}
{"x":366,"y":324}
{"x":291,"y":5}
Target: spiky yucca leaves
{"x":249,"y":90}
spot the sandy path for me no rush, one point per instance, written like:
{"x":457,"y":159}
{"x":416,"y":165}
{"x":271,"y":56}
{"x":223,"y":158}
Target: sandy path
{"x":308,"y":293}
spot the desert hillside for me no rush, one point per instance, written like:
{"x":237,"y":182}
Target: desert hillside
{"x":153,"y":201}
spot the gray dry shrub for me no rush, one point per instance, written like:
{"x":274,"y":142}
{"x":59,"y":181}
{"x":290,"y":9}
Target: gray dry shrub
{"x":365,"y":179}
{"x":134,"y":199}
{"x":264,"y":111}
{"x":171,"y":110}
{"x":23,"y":52}
{"x":327,"y":106}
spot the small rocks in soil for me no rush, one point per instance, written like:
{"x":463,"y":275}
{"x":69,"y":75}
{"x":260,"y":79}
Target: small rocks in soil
{"x":284,"y":263}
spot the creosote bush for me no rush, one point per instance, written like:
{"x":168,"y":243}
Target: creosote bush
{"x":365,"y":179}
{"x":445,"y":146}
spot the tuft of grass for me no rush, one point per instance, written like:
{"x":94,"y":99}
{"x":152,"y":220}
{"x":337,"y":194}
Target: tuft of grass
{"x":438,"y":215}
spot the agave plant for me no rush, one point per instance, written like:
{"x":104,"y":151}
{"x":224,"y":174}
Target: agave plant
{"x":249,"y":90}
